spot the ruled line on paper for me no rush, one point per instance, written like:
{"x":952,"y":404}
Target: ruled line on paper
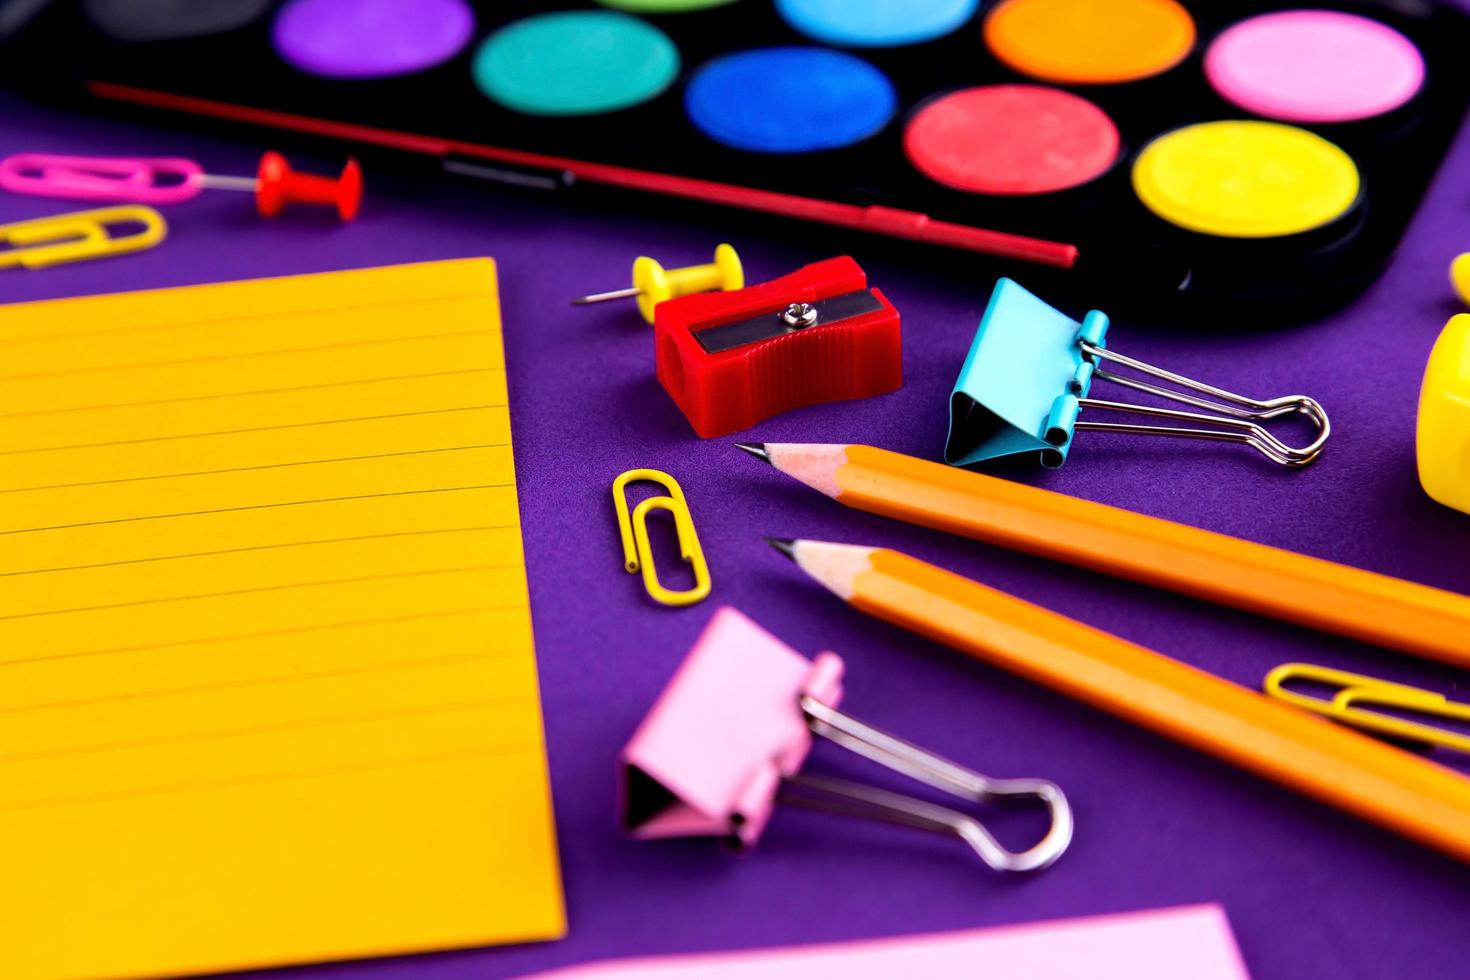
{"x":315,"y":773}
{"x":233,"y":318}
{"x":252,"y":392}
{"x":259,"y":428}
{"x":385,"y":667}
{"x":327,"y":721}
{"x":232,"y":510}
{"x":263,"y":634}
{"x":281,"y":352}
{"x":280,"y":587}
{"x":261,"y":466}
{"x":260,"y":547}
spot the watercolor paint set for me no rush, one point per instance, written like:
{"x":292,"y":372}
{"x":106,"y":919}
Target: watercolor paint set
{"x":1233,"y":155}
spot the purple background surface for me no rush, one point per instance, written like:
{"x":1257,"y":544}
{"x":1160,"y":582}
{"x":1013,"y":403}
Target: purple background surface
{"x":1310,"y":892}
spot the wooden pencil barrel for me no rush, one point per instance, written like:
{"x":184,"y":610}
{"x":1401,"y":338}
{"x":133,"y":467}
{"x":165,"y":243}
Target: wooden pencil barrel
{"x":1274,"y":582}
{"x":1381,"y":784}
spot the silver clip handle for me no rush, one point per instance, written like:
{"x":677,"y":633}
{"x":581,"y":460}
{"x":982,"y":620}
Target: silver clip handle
{"x":1236,"y":418}
{"x":857,"y":799}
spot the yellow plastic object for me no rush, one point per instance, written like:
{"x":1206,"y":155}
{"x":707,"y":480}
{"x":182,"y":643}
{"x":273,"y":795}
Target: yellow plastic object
{"x":269,"y":677}
{"x":79,"y":235}
{"x":1356,"y":690}
{"x":637,"y":555}
{"x":655,"y":284}
{"x":1245,"y":179}
{"x":1460,"y":275}
{"x":1443,"y":438}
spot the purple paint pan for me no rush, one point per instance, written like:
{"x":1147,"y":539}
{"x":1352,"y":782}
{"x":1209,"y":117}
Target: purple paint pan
{"x":371,"y":38}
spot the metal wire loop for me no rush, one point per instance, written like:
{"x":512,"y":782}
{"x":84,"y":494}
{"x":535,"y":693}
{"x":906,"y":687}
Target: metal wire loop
{"x":1236,"y":418}
{"x":856,"y":799}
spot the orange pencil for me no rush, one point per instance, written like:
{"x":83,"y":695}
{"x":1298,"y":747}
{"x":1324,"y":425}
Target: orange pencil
{"x":1270,"y":581}
{"x":1406,"y":794}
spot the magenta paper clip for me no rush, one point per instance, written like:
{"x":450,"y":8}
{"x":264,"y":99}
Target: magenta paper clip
{"x":142,"y":180}
{"x":725,"y":742}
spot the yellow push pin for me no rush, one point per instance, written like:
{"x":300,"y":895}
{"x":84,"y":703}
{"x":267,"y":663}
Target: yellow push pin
{"x":1443,"y":436}
{"x":1460,"y":275}
{"x":653,"y":284}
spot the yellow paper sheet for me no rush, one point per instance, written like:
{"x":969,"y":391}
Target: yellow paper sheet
{"x":267,"y":683}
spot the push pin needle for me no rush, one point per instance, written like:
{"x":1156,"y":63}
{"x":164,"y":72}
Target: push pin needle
{"x":610,"y":294}
{"x":653,"y":284}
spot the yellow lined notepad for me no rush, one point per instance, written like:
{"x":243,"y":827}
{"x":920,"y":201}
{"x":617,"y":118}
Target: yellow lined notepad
{"x":267,"y":683}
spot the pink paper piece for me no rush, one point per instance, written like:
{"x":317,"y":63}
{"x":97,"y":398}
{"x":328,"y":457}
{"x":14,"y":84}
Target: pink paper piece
{"x":1193,"y":942}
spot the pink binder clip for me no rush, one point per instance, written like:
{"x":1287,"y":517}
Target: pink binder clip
{"x":726,"y":740}
{"x":144,"y":180}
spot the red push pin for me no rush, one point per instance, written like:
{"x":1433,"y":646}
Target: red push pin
{"x":276,"y":185}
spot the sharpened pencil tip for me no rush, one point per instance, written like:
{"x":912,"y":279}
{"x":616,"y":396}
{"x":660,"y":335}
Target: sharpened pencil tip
{"x":756,"y":449}
{"x":786,"y":546}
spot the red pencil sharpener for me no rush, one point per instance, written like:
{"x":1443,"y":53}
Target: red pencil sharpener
{"x":732,"y":359}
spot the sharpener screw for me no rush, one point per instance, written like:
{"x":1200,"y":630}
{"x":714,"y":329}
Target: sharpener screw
{"x":799,"y":315}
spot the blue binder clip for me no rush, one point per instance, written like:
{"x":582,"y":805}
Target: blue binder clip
{"x":1030,"y":372}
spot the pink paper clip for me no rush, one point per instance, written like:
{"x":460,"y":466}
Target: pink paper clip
{"x":173,"y":180}
{"x":143,"y":180}
{"x":725,"y":742}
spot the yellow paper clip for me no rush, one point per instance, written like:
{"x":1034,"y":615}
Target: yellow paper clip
{"x":634,"y":531}
{"x":79,"y":235}
{"x":1355,"y":691}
